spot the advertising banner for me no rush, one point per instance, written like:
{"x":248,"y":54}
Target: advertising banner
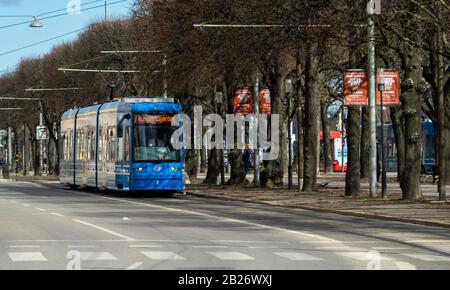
{"x":391,"y":93}
{"x":265,"y":102}
{"x":355,"y":88}
{"x":243,"y":101}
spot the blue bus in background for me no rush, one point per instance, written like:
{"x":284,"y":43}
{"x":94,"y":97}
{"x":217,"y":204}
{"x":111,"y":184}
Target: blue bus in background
{"x":124,"y":145}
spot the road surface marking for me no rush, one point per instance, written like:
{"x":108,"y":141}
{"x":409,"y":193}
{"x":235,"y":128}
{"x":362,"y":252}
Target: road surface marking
{"x":145,"y":246}
{"x":57,"y":214}
{"x":104,"y":230}
{"x":236,"y":256}
{"x":13,"y":201}
{"x":163,"y":256}
{"x":97,"y":256}
{"x":25,"y":204}
{"x":428,"y":258}
{"x":360,"y":256}
{"x":298,"y":256}
{"x":247,"y":242}
{"x":40,"y":209}
{"x":231,"y":220}
{"x":23,"y":247}
{"x":27,"y":257}
{"x":429,"y":242}
{"x":135,"y":266}
{"x":210,"y":247}
{"x":404,"y":266}
{"x":389,"y":249}
{"x":336,"y":248}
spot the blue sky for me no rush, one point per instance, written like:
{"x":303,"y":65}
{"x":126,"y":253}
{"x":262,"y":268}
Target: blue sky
{"x":15,"y":37}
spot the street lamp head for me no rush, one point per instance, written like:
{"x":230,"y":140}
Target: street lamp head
{"x":36,"y":23}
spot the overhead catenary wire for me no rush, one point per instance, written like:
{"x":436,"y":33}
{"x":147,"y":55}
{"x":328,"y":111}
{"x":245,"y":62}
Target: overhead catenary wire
{"x":41,"y":42}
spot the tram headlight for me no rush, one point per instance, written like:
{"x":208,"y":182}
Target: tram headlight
{"x":175,"y":169}
{"x":139,"y":169}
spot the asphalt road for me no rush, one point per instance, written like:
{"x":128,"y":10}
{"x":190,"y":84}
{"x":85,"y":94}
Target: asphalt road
{"x":45,"y":226}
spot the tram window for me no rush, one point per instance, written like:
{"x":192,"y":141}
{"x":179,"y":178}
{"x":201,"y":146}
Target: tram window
{"x":100,"y":145}
{"x":120,"y":144}
{"x":78,"y":147}
{"x":127,"y":144}
{"x":111,"y":145}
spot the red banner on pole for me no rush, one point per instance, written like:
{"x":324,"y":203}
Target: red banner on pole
{"x":355,"y":88}
{"x":391,"y":93}
{"x":243,"y":101}
{"x":265,"y":102}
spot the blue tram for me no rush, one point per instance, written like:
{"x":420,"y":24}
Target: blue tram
{"x":428,"y":147}
{"x":123,"y":145}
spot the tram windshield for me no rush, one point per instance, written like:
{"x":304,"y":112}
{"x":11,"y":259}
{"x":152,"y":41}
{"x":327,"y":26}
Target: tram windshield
{"x":152,"y":139}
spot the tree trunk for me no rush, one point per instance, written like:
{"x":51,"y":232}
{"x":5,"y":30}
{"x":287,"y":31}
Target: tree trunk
{"x":447,"y":126}
{"x":213,"y":167}
{"x":327,"y":154}
{"x":353,"y":178}
{"x":399,"y":132}
{"x":192,"y":163}
{"x":412,"y":106}
{"x":312,"y":118}
{"x":275,"y":169}
{"x":365,"y":143}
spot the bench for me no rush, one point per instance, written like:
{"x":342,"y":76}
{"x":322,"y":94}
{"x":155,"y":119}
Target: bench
{"x":434,"y":172}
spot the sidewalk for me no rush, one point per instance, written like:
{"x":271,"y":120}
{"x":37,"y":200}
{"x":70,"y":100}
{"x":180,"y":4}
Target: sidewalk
{"x":332,"y":200}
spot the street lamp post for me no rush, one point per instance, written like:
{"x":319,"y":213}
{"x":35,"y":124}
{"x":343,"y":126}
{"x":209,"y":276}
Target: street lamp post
{"x":372,"y":102}
{"x":381,"y":88}
{"x":289,"y":91}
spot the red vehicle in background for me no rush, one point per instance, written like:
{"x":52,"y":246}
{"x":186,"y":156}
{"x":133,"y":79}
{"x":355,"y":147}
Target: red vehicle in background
{"x":339,"y":151}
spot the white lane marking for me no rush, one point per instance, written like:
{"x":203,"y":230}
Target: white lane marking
{"x":336,"y":248}
{"x":247,"y":242}
{"x":23,"y":247}
{"x":389,"y":249}
{"x":25,"y":204}
{"x":135,"y":266}
{"x":298,"y":256}
{"x":163,"y":255}
{"x":236,"y":256}
{"x":404,"y":266}
{"x":145,"y":246}
{"x":82,"y":247}
{"x":104,"y":230}
{"x":210,"y":247}
{"x":231,"y":220}
{"x":428,"y":258}
{"x":97,"y":256}
{"x":360,"y":256}
{"x":13,"y":201}
{"x":40,"y":209}
{"x":27,"y":257}
{"x":57,"y":214}
{"x":428,"y":242}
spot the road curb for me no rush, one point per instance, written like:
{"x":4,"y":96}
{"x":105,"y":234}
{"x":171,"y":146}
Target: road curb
{"x":7,"y":180}
{"x":330,"y":211}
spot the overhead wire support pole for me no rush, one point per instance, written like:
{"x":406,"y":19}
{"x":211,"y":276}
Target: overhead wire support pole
{"x":372,"y":110}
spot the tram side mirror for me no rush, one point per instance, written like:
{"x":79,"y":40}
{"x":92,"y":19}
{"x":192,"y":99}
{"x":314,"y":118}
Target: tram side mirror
{"x":120,"y":131}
